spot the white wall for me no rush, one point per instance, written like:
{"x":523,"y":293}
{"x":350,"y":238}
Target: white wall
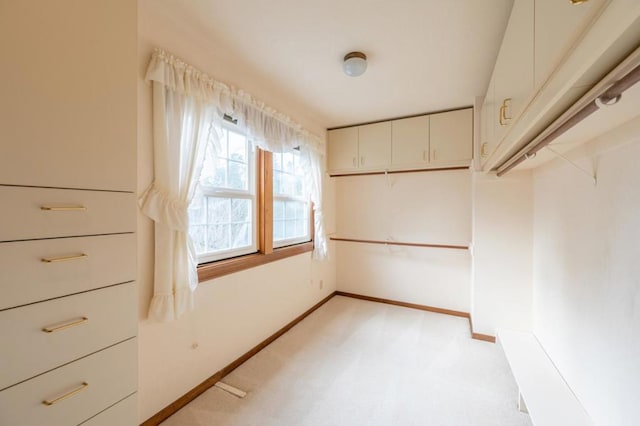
{"x":423,"y":207}
{"x":502,"y":250}
{"x":235,"y":312}
{"x":587,"y":274}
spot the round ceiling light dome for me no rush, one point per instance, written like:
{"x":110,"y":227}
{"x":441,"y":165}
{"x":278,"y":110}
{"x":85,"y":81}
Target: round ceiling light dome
{"x":355,"y":64}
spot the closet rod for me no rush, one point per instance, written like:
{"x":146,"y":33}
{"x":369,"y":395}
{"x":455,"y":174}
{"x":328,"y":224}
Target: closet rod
{"x":398,"y":243}
{"x":391,"y":172}
{"x":607,"y":92}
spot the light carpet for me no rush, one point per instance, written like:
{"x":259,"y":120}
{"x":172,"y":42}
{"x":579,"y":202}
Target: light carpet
{"x":354,"y":362}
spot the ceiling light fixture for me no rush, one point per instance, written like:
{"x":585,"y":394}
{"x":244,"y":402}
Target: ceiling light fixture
{"x":355,"y":64}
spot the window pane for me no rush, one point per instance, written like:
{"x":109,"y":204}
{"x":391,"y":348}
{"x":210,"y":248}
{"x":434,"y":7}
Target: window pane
{"x":224,"y":134}
{"x":220,"y":173}
{"x":240,"y":210}
{"x":240,"y":235}
{"x":237,"y":147}
{"x":218,"y":210}
{"x":278,"y":210}
{"x":218,"y":237}
{"x":198,"y":235}
{"x":288,"y":162}
{"x":290,"y":210}
{"x":277,"y":182}
{"x":238,"y":176}
{"x":277,"y":161}
{"x":278,"y":230}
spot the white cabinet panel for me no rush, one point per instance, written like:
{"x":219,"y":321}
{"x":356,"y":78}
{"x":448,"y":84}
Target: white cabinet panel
{"x":124,"y":413}
{"x":374,"y":145}
{"x":410,"y":141}
{"x":110,"y":259}
{"x":73,"y":125}
{"x":513,"y":73}
{"x":451,"y":136}
{"x":343,"y":149}
{"x":101,"y":380}
{"x":71,"y":212}
{"x":558,"y":26}
{"x":77,"y":325}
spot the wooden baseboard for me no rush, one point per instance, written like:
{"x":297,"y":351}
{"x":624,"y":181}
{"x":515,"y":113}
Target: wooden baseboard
{"x":405,"y":304}
{"x":485,"y":337}
{"x":477,"y":336}
{"x":176,"y":405}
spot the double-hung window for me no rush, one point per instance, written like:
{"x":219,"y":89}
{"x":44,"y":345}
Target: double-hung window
{"x":250,"y":202}
{"x":223,"y":217}
{"x":291,"y":206}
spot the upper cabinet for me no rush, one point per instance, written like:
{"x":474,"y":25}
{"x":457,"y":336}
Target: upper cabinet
{"x":451,"y":134}
{"x":422,"y":142}
{"x":513,"y":72}
{"x":374,"y":145}
{"x":343,"y":148}
{"x":410,"y":141}
{"x":557,"y":26}
{"x":551,"y":53}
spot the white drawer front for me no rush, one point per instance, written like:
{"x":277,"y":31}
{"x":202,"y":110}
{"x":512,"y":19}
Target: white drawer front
{"x":109,"y":375}
{"x":124,"y":413}
{"x":26,"y":278}
{"x":29,"y":213}
{"x":110,"y":318}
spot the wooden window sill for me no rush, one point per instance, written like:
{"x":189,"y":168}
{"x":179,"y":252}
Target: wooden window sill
{"x":209,"y":271}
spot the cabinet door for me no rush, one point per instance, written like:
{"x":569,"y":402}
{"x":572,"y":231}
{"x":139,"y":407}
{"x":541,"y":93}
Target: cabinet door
{"x":558,"y":25}
{"x":343,"y":149}
{"x":410,"y":141}
{"x":514,"y":68}
{"x":487,"y":117}
{"x":374,"y":145}
{"x":451,"y":136}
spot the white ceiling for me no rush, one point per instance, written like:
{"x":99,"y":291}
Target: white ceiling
{"x":424,"y":55}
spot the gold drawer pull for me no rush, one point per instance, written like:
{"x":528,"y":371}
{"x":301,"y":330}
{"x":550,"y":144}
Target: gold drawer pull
{"x":69,"y":394}
{"x":63,"y":208}
{"x":65,"y":325}
{"x":64,"y":258}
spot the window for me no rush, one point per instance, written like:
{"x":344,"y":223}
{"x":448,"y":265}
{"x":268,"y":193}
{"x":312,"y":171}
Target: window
{"x":223,"y":219}
{"x":231,"y":224}
{"x":290,"y":200}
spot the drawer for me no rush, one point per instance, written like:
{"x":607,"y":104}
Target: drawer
{"x":110,"y":318}
{"x":30,"y":213}
{"x":100,"y":380}
{"x":124,"y":413}
{"x":26,"y":278}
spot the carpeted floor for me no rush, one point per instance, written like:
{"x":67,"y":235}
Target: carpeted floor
{"x":354,"y":363}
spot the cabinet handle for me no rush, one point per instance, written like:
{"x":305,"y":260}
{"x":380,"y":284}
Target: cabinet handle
{"x":49,"y":402}
{"x":483,"y":149}
{"x":63,"y":208}
{"x":434,"y":155}
{"x":362,"y":161}
{"x":65,"y":325}
{"x":354,"y":161}
{"x":503,"y":112}
{"x":64,"y":258}
{"x":424,"y":155}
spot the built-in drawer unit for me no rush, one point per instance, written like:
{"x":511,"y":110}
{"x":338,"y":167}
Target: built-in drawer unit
{"x":48,"y":334}
{"x":75,"y":392}
{"x":124,"y":412}
{"x":44,"y":269}
{"x":31,"y":213}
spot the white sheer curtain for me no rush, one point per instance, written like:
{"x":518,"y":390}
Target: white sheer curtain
{"x":181,"y":127}
{"x":186,"y":104}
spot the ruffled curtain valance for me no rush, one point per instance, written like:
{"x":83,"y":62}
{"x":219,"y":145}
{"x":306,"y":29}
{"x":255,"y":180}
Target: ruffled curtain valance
{"x":268,"y":128}
{"x":187,"y":106}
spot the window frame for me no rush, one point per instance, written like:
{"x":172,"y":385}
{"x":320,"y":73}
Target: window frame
{"x":266,"y":252}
